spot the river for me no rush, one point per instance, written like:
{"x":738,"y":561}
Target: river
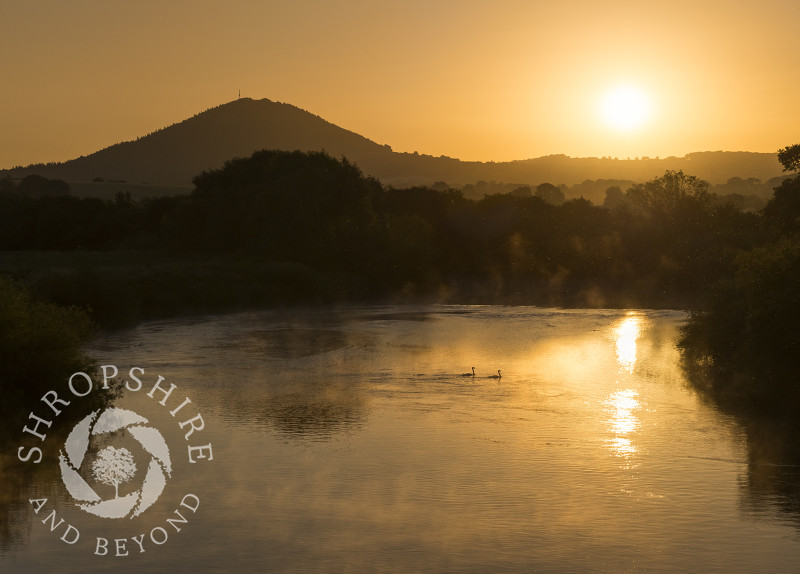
{"x":350,"y":440}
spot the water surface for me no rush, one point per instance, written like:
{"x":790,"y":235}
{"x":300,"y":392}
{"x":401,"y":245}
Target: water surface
{"x":351,"y":441}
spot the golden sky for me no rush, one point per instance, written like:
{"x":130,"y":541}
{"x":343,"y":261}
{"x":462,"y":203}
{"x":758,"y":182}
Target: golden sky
{"x":469,"y":79}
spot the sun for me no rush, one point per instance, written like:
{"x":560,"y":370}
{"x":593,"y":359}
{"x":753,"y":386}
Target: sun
{"x":625,"y":108}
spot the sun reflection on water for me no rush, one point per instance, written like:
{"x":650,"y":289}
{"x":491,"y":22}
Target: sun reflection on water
{"x":623,"y":407}
{"x":627,"y":332}
{"x":622,"y":446}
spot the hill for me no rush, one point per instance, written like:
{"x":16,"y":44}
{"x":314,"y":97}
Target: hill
{"x":176,"y":154}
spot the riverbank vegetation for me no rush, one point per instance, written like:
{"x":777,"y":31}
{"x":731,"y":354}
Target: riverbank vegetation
{"x":742,"y":347}
{"x":287,"y":228}
{"x":292,"y":227}
{"x":40,"y":344}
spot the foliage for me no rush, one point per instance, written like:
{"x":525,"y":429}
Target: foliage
{"x":282,"y":227}
{"x":308,"y":208}
{"x":790,"y":157}
{"x":782,"y":212}
{"x":743,"y":347}
{"x":7,"y":184}
{"x":550,"y":193}
{"x":666,"y":193}
{"x":40,"y":345}
{"x":36,"y":185}
{"x":121,"y":288}
{"x":614,"y":197}
{"x":65,"y":222}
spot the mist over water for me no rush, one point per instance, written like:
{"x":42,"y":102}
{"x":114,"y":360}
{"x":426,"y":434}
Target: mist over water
{"x":353,"y":440}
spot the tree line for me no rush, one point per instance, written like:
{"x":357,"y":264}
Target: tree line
{"x":293,"y":227}
{"x":657,"y":244}
{"x":741,"y":347}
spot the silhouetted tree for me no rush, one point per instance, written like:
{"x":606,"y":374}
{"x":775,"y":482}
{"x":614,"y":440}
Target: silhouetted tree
{"x":285,"y":206}
{"x":36,"y":185}
{"x":550,"y":193}
{"x":783,"y":209}
{"x":743,"y":347}
{"x":614,"y":197}
{"x":281,"y":226}
{"x":7,"y":184}
{"x":665,"y":193}
{"x":790,"y":157}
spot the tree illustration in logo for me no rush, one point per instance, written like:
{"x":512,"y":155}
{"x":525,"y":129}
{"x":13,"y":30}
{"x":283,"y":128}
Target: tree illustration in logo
{"x":114,"y":466}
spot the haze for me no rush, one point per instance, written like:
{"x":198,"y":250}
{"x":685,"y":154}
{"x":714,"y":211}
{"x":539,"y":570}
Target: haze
{"x":472,"y":80}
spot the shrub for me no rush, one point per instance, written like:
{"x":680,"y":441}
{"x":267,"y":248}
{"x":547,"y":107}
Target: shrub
{"x":40,"y":346}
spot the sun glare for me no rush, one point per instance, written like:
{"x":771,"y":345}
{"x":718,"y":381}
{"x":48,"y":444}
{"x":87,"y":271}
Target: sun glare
{"x":625,"y":108}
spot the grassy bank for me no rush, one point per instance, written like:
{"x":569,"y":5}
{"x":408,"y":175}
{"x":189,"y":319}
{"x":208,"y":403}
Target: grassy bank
{"x":117,"y":289}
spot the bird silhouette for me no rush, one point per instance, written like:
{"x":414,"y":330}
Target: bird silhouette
{"x":472,"y":374}
{"x":497,"y":376}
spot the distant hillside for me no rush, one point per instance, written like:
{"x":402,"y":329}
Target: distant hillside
{"x":175,"y":154}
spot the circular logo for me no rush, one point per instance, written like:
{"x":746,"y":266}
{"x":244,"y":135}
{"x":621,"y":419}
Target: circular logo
{"x":114,"y":466}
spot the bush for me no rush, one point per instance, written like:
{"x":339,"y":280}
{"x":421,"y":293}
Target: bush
{"x":40,"y":346}
{"x":744,"y":348}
